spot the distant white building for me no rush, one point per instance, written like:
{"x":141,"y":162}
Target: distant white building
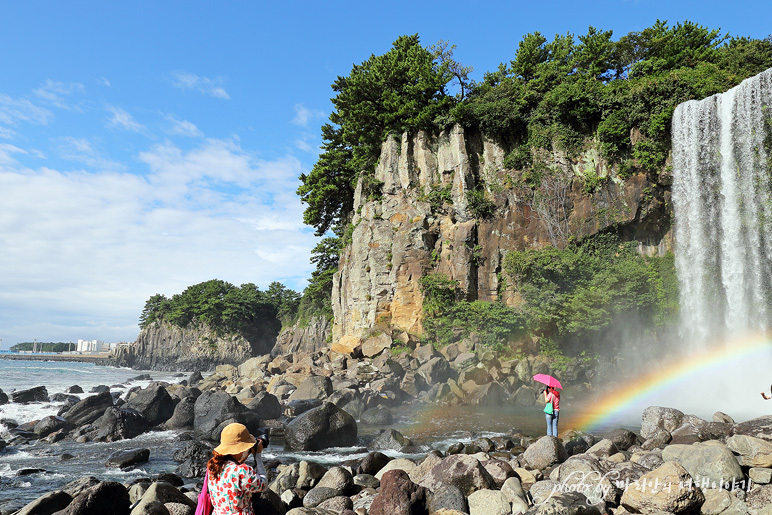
{"x":86,"y":346}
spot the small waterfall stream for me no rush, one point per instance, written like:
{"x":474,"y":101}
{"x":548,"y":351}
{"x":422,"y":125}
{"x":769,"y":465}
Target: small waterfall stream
{"x":722,"y":198}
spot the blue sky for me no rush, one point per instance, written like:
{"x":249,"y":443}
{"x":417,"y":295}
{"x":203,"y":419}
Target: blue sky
{"x":149,"y":146}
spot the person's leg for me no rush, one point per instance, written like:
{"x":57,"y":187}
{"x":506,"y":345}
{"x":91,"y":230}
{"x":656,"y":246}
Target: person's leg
{"x":549,"y":424}
{"x":555,"y":417}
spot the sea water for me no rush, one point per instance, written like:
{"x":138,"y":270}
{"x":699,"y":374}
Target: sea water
{"x":87,"y":459}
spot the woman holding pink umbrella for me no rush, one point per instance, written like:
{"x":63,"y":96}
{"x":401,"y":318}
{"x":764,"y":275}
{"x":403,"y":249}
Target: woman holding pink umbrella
{"x":552,"y":402}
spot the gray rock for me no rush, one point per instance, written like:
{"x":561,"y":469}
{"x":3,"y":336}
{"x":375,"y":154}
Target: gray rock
{"x":380,"y":416}
{"x":150,"y":508}
{"x":565,"y":503}
{"x":36,"y":394}
{"x":162,"y":492}
{"x":372,"y":463}
{"x":3,"y":398}
{"x":667,"y":488}
{"x":106,"y":497}
{"x":448,"y":497}
{"x":89,"y":409}
{"x":265,"y":406}
{"x":711,"y":460}
{"x":605,"y":447}
{"x":760,"y":476}
{"x":176,"y":508}
{"x":321,"y":428}
{"x":545,"y":452}
{"x":366,"y":481}
{"x":184,"y":415}
{"x":760,"y":427}
{"x":489,"y":502}
{"x":47,"y":503}
{"x":337,"y":504}
{"x":286,"y":479}
{"x":623,"y":438}
{"x":51,"y":424}
{"x":464,"y":471}
{"x":436,"y":371}
{"x":318,"y":495}
{"x":309,"y":474}
{"x":154,"y":403}
{"x":657,"y":417}
{"x":339,"y":479}
{"x":391,"y":439}
{"x":128,"y":458}
{"x":77,"y":487}
{"x":660,"y":438}
{"x":119,"y":424}
{"x":192,"y":459}
{"x":314,"y":387}
{"x":754,"y":452}
{"x":215,"y":409}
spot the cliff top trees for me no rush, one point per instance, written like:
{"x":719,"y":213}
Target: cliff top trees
{"x":401,"y":90}
{"x":225,"y":308}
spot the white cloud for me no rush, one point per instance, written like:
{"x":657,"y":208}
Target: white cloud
{"x":182,"y":128}
{"x":123,"y":120}
{"x":303,"y":115}
{"x":190,"y":81}
{"x":82,"y":252}
{"x":13,"y":111}
{"x":104,"y":82}
{"x":54,"y":92}
{"x":81,"y":150}
{"x":303,"y":145}
{"x":6,"y":133}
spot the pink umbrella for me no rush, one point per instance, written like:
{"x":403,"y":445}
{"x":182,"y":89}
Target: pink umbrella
{"x":548,"y":380}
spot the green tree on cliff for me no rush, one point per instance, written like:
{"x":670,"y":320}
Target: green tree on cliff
{"x":401,"y":90}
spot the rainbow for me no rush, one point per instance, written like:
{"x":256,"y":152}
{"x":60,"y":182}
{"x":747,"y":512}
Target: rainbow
{"x":604,"y":411}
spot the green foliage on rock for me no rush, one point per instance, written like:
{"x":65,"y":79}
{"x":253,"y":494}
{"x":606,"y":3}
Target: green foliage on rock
{"x":586,"y":289}
{"x":448,"y":317}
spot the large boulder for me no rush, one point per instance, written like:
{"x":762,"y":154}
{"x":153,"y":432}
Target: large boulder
{"x":47,"y":503}
{"x":339,"y":479}
{"x":464,"y":471}
{"x":215,"y":409}
{"x":255,"y":368}
{"x":754,"y":452}
{"x":265,"y":406}
{"x":36,"y":394}
{"x":192,"y":459}
{"x":545,"y":452}
{"x":372,"y":463}
{"x":51,"y":424}
{"x":448,"y":497}
{"x":89,"y":409}
{"x":489,"y":502}
{"x":154,"y":403}
{"x":399,"y":496}
{"x":119,"y":423}
{"x":163,"y":493}
{"x":760,"y":427}
{"x":668,"y":488}
{"x":107,"y":497}
{"x":391,"y":439}
{"x":3,"y":398}
{"x":126,"y":458}
{"x":436,"y":370}
{"x":321,"y":428}
{"x":655,"y":418}
{"x":184,"y":415}
{"x":706,"y":461}
{"x":314,"y":387}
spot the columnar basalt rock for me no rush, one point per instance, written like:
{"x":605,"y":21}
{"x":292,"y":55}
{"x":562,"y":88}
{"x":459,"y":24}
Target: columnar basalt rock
{"x":398,"y":235}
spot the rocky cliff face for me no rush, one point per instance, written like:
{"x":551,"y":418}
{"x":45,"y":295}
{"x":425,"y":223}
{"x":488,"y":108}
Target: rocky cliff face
{"x":306,"y":337}
{"x":163,"y":346}
{"x":400,"y":237}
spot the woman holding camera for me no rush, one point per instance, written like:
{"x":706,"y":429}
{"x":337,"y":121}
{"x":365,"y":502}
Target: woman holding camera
{"x":552,"y":395}
{"x":232,"y":482}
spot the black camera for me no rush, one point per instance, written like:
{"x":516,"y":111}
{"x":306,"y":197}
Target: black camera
{"x":264,"y":440}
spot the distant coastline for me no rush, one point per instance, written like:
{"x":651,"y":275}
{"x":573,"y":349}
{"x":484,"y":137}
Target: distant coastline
{"x":80,"y":358}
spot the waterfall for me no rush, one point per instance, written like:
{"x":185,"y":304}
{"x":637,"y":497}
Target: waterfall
{"x":722,"y":199}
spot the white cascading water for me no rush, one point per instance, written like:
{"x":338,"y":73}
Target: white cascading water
{"x":722,"y":199}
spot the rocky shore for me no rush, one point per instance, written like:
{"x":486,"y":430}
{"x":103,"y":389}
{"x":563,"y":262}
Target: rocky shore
{"x":676,"y":463}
